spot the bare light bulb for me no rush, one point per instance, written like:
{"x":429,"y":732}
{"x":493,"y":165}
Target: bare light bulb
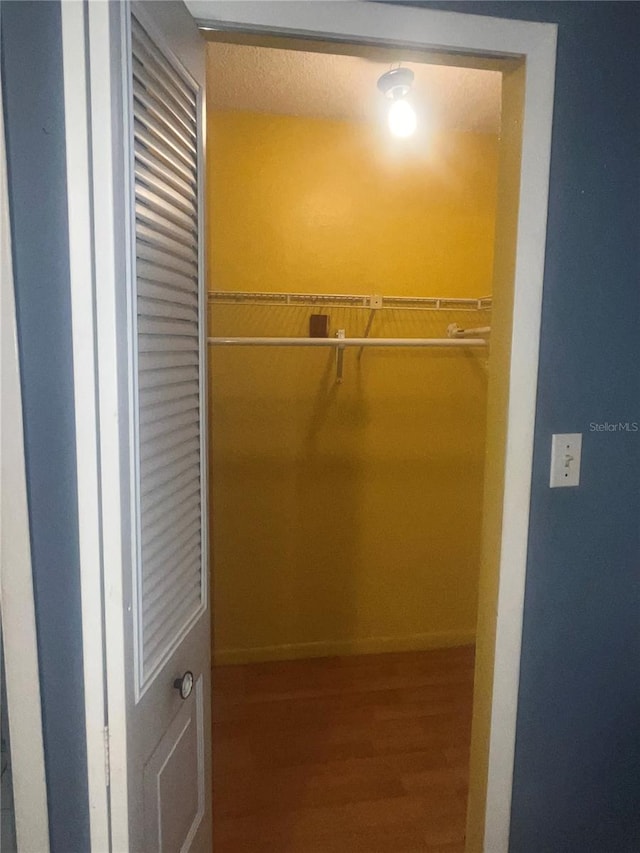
{"x":402,"y":118}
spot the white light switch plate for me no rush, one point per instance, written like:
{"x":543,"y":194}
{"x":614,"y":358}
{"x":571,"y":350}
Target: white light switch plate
{"x":566,"y":450}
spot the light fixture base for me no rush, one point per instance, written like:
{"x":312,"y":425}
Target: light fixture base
{"x":396,"y":83}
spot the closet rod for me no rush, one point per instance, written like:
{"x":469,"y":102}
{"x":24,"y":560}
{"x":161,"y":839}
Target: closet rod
{"x":341,"y":343}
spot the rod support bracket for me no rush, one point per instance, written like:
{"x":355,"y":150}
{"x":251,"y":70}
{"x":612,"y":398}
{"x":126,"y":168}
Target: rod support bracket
{"x":340,"y":334}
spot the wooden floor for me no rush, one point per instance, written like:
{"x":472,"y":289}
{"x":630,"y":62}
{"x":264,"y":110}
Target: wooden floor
{"x":366,"y":753}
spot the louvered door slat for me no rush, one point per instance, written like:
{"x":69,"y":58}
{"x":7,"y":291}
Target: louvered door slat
{"x":153,"y":361}
{"x":145,"y":141}
{"x":168,"y":339}
{"x":149,"y":238}
{"x":181,"y":507}
{"x":166,"y":209}
{"x":162,"y":260}
{"x":179,"y":615}
{"x":164,"y":564}
{"x":152,"y":397}
{"x":169,"y":542}
{"x":168,"y":609}
{"x":164,"y":226}
{"x":162,"y":478}
{"x":169,"y":440}
{"x":166,"y":606}
{"x":163,"y":95}
{"x":165,"y":119}
{"x":166,"y":327}
{"x":146,"y":52}
{"x":182,"y":490}
{"x":163,"y":581}
{"x":146,"y":160}
{"x":155,"y":273}
{"x":153,"y":288}
{"x":159,"y":504}
{"x":159,"y":132}
{"x":166,"y":308}
{"x":157,"y":343}
{"x":183,"y":467}
{"x":166,"y":190}
{"x":160,"y":468}
{"x":160,"y":377}
{"x":172,"y":546}
{"x":156,"y":414}
{"x":167,"y":587}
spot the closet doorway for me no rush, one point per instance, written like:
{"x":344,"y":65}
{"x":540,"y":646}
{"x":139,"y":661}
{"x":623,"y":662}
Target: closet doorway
{"x":355,"y":326}
{"x":102,"y":243}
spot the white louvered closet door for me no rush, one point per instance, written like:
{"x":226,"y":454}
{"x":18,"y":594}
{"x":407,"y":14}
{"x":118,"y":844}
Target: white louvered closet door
{"x":168,"y":725}
{"x":170,"y":578}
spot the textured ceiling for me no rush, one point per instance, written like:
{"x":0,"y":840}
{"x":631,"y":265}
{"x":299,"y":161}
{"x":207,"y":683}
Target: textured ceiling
{"x":299,"y":83}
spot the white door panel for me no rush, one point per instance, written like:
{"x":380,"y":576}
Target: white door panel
{"x":168,"y":737}
{"x":175,"y":796}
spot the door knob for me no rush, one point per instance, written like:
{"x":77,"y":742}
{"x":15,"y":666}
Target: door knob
{"x":184,"y":685}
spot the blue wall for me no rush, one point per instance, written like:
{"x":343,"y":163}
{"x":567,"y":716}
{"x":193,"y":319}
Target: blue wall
{"x":34,"y":116}
{"x":577,"y":767}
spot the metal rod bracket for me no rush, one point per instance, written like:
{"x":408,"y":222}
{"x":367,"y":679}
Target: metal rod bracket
{"x":340,"y":356}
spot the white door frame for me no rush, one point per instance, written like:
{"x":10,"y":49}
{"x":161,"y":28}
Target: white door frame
{"x":87,"y":46}
{"x":17,"y":605}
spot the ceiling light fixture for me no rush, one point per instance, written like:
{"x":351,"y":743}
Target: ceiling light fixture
{"x":396,"y":85}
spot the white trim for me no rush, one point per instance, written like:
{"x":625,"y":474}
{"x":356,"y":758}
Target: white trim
{"x":105,"y":111}
{"x":81,"y":263}
{"x":355,"y":21}
{"x":17,"y":606}
{"x":482,"y":36}
{"x":111,"y":416}
{"x":521,"y":414}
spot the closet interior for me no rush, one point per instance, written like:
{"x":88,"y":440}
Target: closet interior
{"x":349,"y":320}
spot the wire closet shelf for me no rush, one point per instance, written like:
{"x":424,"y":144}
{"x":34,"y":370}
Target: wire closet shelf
{"x":352,"y":300}
{"x":456,"y":336}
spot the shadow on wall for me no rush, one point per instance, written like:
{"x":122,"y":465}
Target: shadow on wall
{"x":327,"y":523}
{"x":346,"y":517}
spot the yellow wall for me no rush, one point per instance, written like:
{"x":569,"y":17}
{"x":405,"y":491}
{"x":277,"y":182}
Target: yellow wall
{"x":316,"y":205}
{"x":345,"y":518}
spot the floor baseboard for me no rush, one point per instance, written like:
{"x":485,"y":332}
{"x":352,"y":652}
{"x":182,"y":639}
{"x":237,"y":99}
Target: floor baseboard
{"x":332,"y":648}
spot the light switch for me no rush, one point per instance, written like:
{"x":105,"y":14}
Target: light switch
{"x":566,"y":450}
